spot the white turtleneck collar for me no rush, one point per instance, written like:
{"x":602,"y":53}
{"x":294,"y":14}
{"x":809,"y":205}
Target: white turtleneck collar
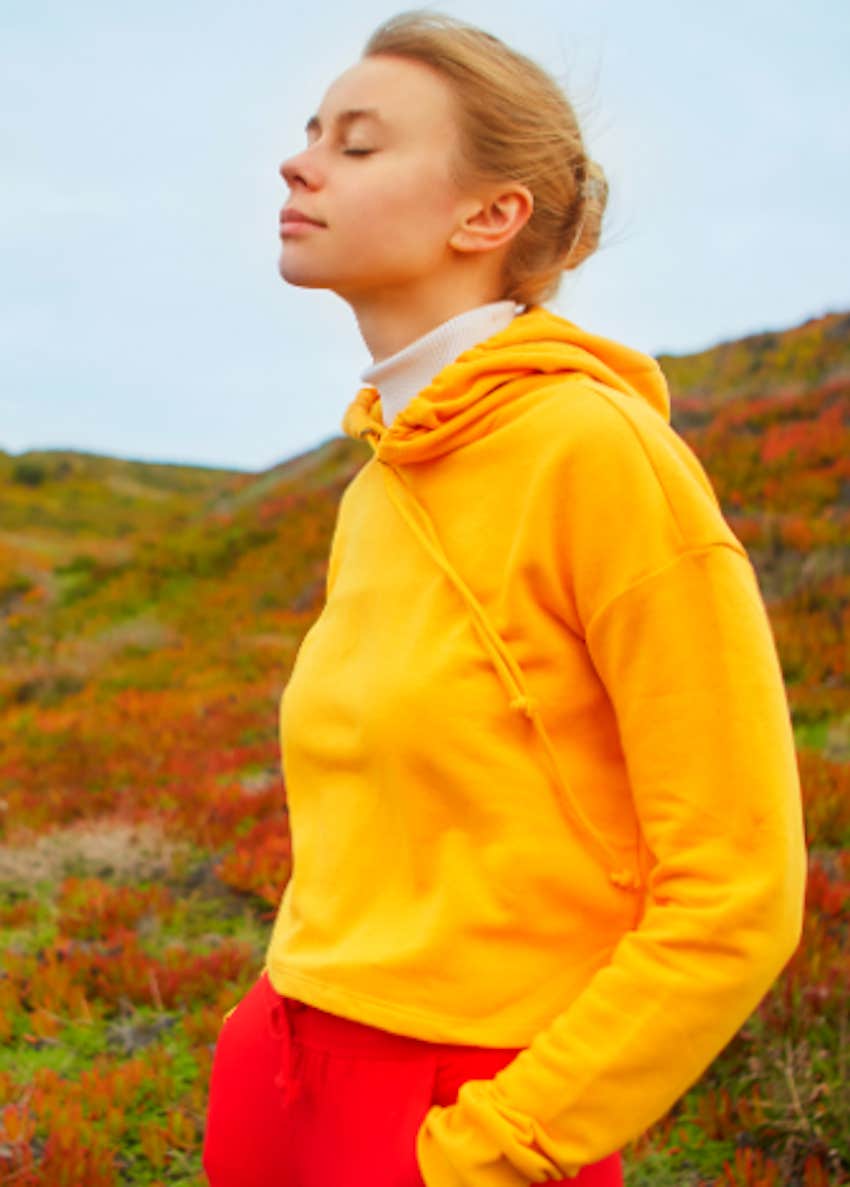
{"x":403,"y":375}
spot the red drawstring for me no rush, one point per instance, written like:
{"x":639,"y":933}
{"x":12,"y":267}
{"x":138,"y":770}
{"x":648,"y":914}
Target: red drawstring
{"x":281,"y":1027}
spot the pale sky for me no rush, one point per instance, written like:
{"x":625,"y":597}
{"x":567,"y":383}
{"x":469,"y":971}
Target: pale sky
{"x":141,"y":311}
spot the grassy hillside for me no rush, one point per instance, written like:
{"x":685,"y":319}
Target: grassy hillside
{"x":793,"y":360}
{"x":149,"y":616}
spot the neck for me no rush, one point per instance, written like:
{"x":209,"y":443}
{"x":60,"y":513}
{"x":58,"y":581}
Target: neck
{"x":390,"y":320}
{"x":402,"y":375}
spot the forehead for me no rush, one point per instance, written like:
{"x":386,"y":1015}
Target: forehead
{"x":403,"y":93}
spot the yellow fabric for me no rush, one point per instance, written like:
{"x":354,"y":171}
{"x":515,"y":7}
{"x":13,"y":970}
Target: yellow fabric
{"x":538,"y":758}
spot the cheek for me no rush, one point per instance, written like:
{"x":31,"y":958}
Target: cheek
{"x":415,"y":208}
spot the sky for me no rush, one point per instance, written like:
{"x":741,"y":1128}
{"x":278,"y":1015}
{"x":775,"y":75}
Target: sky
{"x":141,"y":310}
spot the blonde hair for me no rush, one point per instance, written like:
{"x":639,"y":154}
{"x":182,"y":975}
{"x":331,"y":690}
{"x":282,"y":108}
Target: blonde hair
{"x":515,"y":122}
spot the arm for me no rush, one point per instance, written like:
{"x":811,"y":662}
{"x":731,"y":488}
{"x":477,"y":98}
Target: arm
{"x":688,"y":659}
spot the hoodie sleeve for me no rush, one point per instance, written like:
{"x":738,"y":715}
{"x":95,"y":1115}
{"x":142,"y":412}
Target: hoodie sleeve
{"x":688,"y":658}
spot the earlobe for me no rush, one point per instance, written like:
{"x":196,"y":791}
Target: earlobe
{"x":494,"y":223}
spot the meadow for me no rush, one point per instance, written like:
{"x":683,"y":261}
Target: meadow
{"x":149,"y":617}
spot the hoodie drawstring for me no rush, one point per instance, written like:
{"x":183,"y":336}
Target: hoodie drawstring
{"x":504,"y":663}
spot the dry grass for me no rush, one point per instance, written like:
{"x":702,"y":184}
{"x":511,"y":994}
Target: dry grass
{"x":104,"y":848}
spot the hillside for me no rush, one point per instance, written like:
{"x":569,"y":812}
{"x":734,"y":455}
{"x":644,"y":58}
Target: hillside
{"x":793,"y":360}
{"x":149,"y":616}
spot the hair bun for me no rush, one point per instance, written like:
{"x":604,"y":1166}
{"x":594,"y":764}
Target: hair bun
{"x":594,"y":192}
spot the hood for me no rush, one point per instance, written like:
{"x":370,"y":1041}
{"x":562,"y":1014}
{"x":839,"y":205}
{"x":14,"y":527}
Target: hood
{"x":449,"y":412}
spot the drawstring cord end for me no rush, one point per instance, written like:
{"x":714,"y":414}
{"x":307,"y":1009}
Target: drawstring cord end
{"x":289,"y":1089}
{"x":625,"y":879}
{"x":525,"y":704}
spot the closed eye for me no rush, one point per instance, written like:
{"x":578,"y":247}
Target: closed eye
{"x":357,"y":152}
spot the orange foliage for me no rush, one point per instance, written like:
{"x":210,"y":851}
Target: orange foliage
{"x":261,"y":862}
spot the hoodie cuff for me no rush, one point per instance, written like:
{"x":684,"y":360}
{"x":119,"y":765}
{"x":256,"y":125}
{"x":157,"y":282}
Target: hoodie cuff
{"x":482,"y":1141}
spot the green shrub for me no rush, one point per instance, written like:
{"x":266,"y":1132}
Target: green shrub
{"x":28,"y":473}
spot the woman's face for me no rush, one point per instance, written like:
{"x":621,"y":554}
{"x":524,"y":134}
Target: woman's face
{"x":376,"y":176}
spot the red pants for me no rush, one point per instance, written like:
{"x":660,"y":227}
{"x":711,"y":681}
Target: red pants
{"x":302,"y":1098}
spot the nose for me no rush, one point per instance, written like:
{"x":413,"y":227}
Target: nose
{"x":298,"y":168}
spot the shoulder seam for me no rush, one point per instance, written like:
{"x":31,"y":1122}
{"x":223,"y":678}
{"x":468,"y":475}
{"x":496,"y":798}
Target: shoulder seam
{"x":606,"y":395}
{"x":702,"y":549}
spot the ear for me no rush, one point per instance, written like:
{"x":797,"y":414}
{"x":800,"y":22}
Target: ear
{"x":494,"y":219}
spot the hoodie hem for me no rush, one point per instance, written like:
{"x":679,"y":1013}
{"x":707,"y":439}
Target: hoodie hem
{"x":375,"y":1011}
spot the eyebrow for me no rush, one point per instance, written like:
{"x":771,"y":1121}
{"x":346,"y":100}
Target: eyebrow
{"x":314,"y":124}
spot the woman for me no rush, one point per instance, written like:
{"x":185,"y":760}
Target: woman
{"x":545,"y":813}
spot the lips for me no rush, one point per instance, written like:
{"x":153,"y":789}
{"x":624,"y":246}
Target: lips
{"x":295,"y":216}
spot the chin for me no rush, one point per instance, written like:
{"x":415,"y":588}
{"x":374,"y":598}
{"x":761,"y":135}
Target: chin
{"x":301,"y":277}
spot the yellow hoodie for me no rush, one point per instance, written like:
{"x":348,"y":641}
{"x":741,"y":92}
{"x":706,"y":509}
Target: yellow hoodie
{"x":539,"y":765}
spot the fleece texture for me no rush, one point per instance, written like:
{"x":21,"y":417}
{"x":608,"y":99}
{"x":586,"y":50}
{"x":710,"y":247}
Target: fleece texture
{"x":539,"y":765}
